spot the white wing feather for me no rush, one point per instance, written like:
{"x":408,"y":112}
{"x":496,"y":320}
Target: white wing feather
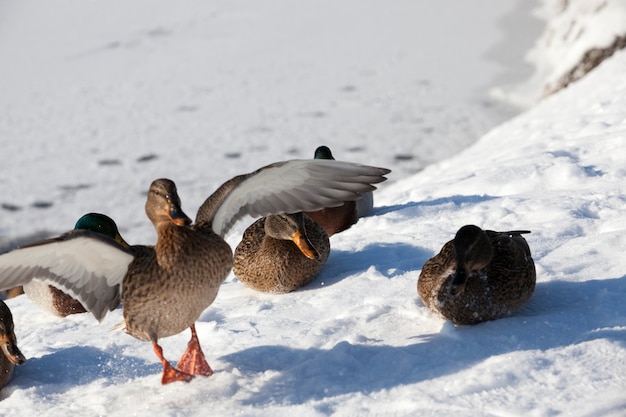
{"x":296,"y":185}
{"x":85,"y":265}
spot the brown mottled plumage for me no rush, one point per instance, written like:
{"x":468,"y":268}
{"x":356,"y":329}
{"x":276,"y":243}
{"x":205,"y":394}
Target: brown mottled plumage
{"x":168,"y":286}
{"x":64,"y":305}
{"x":478,"y":276}
{"x":165,"y":287}
{"x":281,"y":253}
{"x":10,"y":354}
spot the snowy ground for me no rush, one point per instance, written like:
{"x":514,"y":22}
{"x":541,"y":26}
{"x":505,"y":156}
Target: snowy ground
{"x":572,"y":28}
{"x":101,"y":93}
{"x":117,"y":99}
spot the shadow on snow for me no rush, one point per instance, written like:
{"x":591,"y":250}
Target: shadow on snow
{"x":559,"y":314}
{"x":390,"y":259}
{"x":69,"y":367}
{"x":457,"y":200}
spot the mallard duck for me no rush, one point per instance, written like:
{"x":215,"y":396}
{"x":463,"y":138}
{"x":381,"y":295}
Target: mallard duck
{"x":52,"y":299}
{"x":337,"y":219}
{"x":10,"y":354}
{"x":280,"y":253}
{"x":480,"y":275}
{"x":164,"y":288}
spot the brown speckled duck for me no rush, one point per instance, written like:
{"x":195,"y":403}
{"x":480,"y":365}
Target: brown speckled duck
{"x":10,"y":354}
{"x":337,"y":219}
{"x":52,"y":299}
{"x":280,"y":253}
{"x":164,"y":288}
{"x":480,"y":275}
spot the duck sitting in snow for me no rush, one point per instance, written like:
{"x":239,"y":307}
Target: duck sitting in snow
{"x":164,"y":288}
{"x":337,"y":219}
{"x":52,"y":299}
{"x":480,"y":275}
{"x":280,"y":253}
{"x":10,"y":354}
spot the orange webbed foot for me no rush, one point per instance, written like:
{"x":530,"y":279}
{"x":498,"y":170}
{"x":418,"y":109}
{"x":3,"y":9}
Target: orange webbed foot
{"x":170,"y":374}
{"x":193,"y":361}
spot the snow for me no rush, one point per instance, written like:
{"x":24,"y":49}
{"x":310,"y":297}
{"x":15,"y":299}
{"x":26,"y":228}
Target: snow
{"x":103,"y":97}
{"x":573,"y":27}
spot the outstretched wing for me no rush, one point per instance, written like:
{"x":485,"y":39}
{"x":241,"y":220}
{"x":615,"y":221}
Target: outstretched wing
{"x":289,"y":187}
{"x":86,"y":265}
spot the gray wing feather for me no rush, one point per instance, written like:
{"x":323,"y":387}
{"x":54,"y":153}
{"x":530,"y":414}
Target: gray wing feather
{"x":86,"y":265}
{"x":293,"y":186}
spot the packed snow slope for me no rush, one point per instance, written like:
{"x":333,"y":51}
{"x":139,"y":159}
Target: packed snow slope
{"x":356,"y":341}
{"x":576,"y":35}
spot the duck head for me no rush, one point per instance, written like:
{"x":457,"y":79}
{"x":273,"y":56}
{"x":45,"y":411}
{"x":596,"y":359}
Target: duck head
{"x":473,"y":252}
{"x":100,"y":223}
{"x":323,"y":152}
{"x":163,"y":204}
{"x":291,"y":227}
{"x":8,"y":341}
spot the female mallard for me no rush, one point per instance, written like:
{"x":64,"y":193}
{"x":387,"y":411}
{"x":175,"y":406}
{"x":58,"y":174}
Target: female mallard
{"x":339,"y":218}
{"x":164,"y":288}
{"x":280,"y":253}
{"x":480,"y":275}
{"x":10,"y":354}
{"x":52,"y":299}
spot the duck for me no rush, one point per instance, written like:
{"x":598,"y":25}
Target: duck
{"x":10,"y":354}
{"x":281,"y":253}
{"x":337,"y":219}
{"x":52,"y":299}
{"x":165,"y":287}
{"x":478,"y":276}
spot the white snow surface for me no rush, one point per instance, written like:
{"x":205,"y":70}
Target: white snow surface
{"x":103,"y":97}
{"x":572,"y":27}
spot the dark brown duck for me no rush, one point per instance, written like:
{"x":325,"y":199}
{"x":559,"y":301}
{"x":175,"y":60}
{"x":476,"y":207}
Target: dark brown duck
{"x":478,"y":276}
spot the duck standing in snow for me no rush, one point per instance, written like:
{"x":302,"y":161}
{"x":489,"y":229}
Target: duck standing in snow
{"x":164,"y":288}
{"x":337,"y":219}
{"x":10,"y":354}
{"x":280,"y":253}
{"x":478,"y":276}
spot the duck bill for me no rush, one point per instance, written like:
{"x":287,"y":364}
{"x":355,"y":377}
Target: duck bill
{"x":11,"y":351}
{"x":304,"y":244}
{"x":178,"y":217}
{"x":118,"y":238}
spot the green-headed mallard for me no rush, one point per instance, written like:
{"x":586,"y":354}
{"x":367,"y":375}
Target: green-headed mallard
{"x":52,"y":299}
{"x":480,"y":275}
{"x":10,"y":354}
{"x":280,"y":253}
{"x":164,"y":288}
{"x":337,"y":219}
